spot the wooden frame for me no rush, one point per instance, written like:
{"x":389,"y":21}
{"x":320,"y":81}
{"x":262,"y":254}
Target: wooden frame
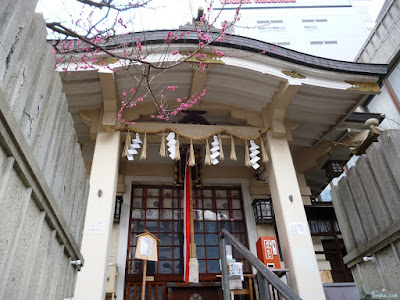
{"x":223,"y":199}
{"x":197,"y":175}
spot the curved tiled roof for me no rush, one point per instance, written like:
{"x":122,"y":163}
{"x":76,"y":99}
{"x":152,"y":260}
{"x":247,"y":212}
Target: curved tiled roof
{"x":256,"y":46}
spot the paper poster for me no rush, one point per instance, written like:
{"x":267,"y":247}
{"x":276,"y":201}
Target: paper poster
{"x":236,"y":268}
{"x":274,"y":248}
{"x":146,"y":246}
{"x":298,"y":228}
{"x":97,"y":227}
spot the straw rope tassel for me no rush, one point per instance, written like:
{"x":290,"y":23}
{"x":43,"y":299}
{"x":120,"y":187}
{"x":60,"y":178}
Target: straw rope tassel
{"x":246,"y":155}
{"x":162,"y":146}
{"x":127,"y":144}
{"x":264,"y":154}
{"x":143,"y":154}
{"x":221,"y":151}
{"x":207,"y":159}
{"x":192,"y":161}
{"x":193,"y":262}
{"x":177,"y":152}
{"x":233,"y":151}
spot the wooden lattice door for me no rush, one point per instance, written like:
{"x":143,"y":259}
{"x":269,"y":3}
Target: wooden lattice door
{"x":159,"y":209}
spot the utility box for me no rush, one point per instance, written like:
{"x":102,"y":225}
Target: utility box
{"x":267,"y":252}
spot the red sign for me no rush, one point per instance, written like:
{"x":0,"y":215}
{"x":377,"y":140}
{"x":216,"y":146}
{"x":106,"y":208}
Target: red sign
{"x":256,"y":1}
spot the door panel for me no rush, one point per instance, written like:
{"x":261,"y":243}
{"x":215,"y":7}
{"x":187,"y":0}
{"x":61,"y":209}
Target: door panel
{"x":158,"y":209}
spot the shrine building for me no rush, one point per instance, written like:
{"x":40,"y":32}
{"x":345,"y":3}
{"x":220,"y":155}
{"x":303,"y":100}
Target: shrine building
{"x":293,"y":111}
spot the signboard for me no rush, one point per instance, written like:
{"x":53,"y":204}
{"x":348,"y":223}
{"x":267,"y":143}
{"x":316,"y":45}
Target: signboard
{"x":236,"y":268}
{"x":146,"y":247}
{"x":298,"y":228}
{"x":95,"y":227}
{"x":235,"y":275}
{"x":270,"y":249}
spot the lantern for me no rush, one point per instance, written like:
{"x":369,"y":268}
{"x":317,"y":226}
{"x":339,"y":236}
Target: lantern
{"x":263,"y":212}
{"x":333,"y":168}
{"x":117,"y":209}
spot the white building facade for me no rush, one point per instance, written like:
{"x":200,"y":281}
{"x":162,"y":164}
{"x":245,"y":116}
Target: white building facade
{"x":328,"y":28}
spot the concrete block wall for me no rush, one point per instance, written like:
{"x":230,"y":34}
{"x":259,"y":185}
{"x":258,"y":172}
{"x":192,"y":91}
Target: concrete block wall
{"x":43,"y":180}
{"x":367,"y":206}
{"x":384,"y":41}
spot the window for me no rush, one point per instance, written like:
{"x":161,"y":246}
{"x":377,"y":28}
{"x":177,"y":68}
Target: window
{"x":323,"y":42}
{"x":159,"y":209}
{"x":310,"y":28}
{"x":276,"y":21}
{"x":270,"y":22}
{"x":314,"y":20}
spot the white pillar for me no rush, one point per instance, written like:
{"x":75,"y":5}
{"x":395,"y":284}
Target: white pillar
{"x":294,"y":235}
{"x":91,"y":281}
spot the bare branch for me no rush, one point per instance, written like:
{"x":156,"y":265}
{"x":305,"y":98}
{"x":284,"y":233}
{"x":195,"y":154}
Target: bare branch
{"x":109,"y":4}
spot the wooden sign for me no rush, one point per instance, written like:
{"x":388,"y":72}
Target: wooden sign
{"x":146,"y":248}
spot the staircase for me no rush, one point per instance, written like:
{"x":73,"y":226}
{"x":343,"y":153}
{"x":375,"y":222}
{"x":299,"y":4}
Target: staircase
{"x":270,"y":286}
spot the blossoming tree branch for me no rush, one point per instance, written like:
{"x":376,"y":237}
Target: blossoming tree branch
{"x":102,"y":32}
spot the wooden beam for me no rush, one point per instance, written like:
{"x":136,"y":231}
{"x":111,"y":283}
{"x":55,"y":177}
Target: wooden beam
{"x":198,"y":80}
{"x":110,"y":97}
{"x":274,"y":113}
{"x":305,"y":159}
{"x":92,"y":118}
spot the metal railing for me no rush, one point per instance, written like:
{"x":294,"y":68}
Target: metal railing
{"x":279,"y":288}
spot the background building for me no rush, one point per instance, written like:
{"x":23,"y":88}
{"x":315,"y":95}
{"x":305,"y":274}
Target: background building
{"x":382,"y":47}
{"x":328,"y":28}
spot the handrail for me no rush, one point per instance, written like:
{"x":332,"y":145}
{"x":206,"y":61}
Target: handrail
{"x":274,"y":280}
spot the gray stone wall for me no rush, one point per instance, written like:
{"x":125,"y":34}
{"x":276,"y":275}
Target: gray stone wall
{"x":384,"y":41}
{"x":367,"y":205}
{"x":43,"y":180}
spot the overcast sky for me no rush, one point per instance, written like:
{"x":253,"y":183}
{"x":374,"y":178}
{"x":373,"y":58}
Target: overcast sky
{"x":160,"y":14}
